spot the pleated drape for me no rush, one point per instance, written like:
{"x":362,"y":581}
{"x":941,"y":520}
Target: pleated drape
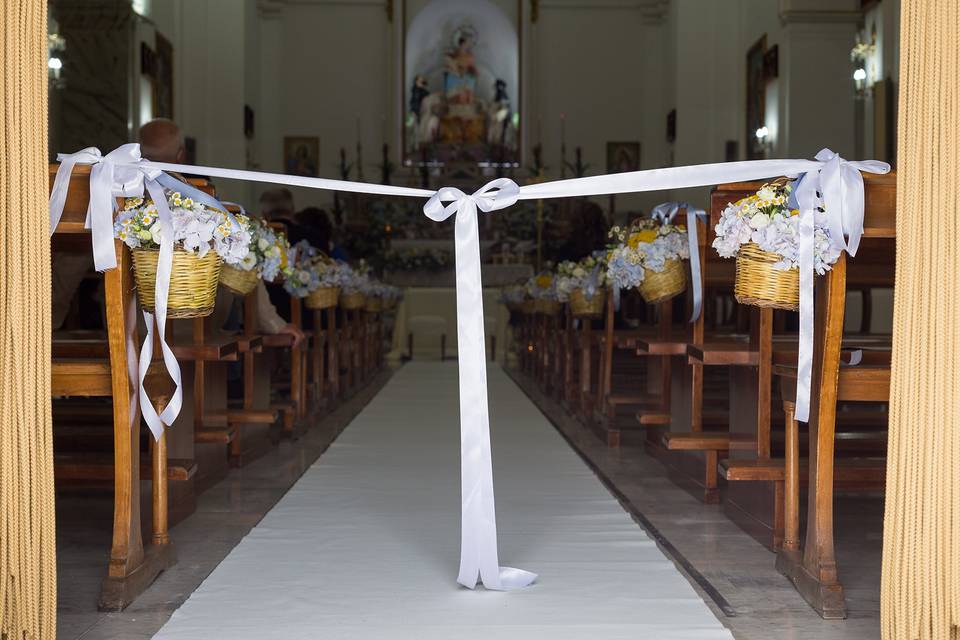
{"x":921,"y":550}
{"x":28,"y":595}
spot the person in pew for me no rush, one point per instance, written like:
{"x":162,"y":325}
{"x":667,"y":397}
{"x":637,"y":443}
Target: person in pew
{"x":319,"y":232}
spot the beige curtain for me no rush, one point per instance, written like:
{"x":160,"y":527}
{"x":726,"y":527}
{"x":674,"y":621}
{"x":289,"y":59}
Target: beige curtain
{"x":28,"y":593}
{"x":921,"y":551}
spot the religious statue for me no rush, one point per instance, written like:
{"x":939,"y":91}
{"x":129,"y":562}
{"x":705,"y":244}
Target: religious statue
{"x":500,"y":117}
{"x":460,"y":74}
{"x":419,"y":91}
{"x":462,"y":121}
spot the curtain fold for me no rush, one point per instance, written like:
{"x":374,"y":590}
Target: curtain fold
{"x":920,"y":587}
{"x":27,"y":534}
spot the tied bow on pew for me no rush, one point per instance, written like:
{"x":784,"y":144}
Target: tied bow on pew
{"x":665,"y":213}
{"x":124,"y":173}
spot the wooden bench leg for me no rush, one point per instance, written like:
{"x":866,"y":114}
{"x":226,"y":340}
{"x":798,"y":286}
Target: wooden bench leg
{"x":333,"y":360}
{"x":791,"y":495}
{"x":711,"y":494}
{"x":158,"y":454}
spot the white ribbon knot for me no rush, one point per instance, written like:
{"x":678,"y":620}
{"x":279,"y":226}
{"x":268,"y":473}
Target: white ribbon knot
{"x":478,"y":533}
{"x":664,"y":213}
{"x":496,"y":194}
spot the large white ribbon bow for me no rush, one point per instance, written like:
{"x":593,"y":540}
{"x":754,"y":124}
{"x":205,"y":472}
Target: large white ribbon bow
{"x":478,"y":534}
{"x":839,"y":184}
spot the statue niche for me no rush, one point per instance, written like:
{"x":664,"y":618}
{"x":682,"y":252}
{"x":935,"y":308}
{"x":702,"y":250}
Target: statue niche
{"x":458,"y":106}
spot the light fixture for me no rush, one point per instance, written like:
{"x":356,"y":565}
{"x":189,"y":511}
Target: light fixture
{"x":862,"y":57}
{"x":762,"y":133}
{"x":56,"y":46}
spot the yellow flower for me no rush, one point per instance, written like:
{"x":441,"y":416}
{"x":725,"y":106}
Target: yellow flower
{"x":647,"y":235}
{"x":795,"y":212}
{"x":544,"y":281}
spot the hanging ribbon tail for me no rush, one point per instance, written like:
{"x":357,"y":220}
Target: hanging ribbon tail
{"x":157,"y":422}
{"x":807,"y":200}
{"x":693,"y":216}
{"x":479,"y":560}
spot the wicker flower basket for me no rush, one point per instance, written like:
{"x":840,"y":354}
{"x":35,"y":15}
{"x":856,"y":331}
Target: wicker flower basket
{"x":322,"y":298}
{"x":373,"y":304}
{"x":238,"y":281}
{"x":351,"y":301}
{"x":759,"y":284}
{"x":581,"y":306}
{"x":663,"y":285}
{"x":547,"y":307}
{"x":528,"y":306}
{"x":193,"y":282}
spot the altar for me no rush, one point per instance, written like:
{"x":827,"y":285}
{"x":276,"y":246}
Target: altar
{"x":429,"y":316}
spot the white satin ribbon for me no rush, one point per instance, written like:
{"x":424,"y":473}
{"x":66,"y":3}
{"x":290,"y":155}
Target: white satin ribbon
{"x":665,"y":213}
{"x":838,"y":179}
{"x":478,"y":533}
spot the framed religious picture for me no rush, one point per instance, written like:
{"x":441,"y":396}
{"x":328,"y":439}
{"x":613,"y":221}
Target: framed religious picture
{"x":623,"y":157}
{"x":163,"y":79}
{"x":756,"y":96}
{"x":301,"y":155}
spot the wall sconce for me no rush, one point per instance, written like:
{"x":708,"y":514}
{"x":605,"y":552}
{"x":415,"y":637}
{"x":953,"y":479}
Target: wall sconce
{"x":764,"y":139}
{"x":56,"y":45}
{"x":861,"y":56}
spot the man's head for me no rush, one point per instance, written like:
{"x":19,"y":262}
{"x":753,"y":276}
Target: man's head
{"x":161,"y":141}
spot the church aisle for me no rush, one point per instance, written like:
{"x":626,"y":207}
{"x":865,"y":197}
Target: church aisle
{"x":365,"y":545}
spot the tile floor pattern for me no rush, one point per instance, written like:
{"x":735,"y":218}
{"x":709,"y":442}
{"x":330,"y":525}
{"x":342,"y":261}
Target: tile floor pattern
{"x":739,"y":568}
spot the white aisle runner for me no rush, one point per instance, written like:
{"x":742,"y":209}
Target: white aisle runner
{"x":366,"y":544}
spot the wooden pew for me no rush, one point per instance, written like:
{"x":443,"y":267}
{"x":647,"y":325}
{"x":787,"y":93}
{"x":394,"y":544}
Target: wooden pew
{"x":132,"y":565}
{"x":611,"y":341}
{"x":217,"y":425}
{"x":813,"y":567}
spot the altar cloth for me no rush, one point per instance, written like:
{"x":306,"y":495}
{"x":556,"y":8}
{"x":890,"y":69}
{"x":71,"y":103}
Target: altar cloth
{"x":366,"y":544}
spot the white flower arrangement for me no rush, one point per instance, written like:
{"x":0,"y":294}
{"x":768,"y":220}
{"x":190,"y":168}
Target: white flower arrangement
{"x":514,"y":294}
{"x":766,"y":219}
{"x":588,"y":274}
{"x":391,"y":292}
{"x":542,"y":286}
{"x":196,"y":228}
{"x":355,"y":280}
{"x":269,"y":250}
{"x":335,"y":274}
{"x":646,"y":244}
{"x":303,"y":275}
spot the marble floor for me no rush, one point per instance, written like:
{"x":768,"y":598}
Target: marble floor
{"x":763,"y":603}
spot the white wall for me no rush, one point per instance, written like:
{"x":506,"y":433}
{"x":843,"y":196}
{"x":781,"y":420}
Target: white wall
{"x":614,"y":67}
